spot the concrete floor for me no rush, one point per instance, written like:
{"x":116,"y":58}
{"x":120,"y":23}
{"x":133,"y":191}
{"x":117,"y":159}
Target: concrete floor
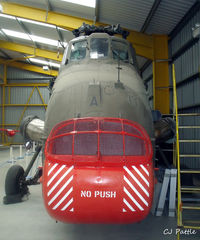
{"x":29,"y":221}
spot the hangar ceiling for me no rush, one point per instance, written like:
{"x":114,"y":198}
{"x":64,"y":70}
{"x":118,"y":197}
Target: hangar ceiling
{"x":145,"y":16}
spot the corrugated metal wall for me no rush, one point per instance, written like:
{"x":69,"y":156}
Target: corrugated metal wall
{"x":185,"y":53}
{"x":21,"y":94}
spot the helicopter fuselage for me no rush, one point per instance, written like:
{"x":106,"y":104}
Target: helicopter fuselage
{"x":98,"y":164}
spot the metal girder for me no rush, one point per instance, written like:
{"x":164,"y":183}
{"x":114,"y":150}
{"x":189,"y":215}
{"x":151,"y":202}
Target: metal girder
{"x":161,"y":74}
{"x":27,"y":85}
{"x":30,"y":67}
{"x":3,"y":100}
{"x":30,"y":50}
{"x":9,"y":60}
{"x":5,"y":54}
{"x":150,"y":15}
{"x":143,"y":43}
{"x":27,"y":31}
{"x":25,"y":105}
{"x":96,"y":18}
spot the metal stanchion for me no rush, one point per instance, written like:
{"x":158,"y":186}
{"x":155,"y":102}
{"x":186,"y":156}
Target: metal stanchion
{"x":20,"y":152}
{"x":11,"y":155}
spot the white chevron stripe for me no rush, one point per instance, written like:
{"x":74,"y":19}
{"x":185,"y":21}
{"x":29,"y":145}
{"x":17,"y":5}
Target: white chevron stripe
{"x":133,"y":199}
{"x":146,"y":171}
{"x":139,"y":173}
{"x":124,"y":210}
{"x":60,"y":180}
{"x":136,"y":191}
{"x":55,"y":175}
{"x":52,"y":168}
{"x":71,"y":210}
{"x":59,"y":192}
{"x":67,"y":205}
{"x":136,"y":180}
{"x":128,"y":205}
{"x":63,"y":198}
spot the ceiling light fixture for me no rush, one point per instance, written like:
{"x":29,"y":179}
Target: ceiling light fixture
{"x":12,"y":33}
{"x":7,"y":16}
{"x":87,"y":3}
{"x":37,"y":23}
{"x":35,"y":38}
{"x":45,"y":63}
{"x":30,"y":21}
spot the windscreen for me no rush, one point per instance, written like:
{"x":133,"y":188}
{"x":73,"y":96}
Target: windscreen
{"x":119,"y":50}
{"x":98,"y":48}
{"x":78,"y":50}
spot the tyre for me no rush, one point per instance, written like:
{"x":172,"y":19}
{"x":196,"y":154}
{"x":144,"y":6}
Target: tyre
{"x":14,"y":181}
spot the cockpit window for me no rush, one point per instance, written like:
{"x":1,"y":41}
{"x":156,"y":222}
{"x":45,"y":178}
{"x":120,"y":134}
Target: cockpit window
{"x":98,"y":48}
{"x":120,"y":50}
{"x":78,"y":50}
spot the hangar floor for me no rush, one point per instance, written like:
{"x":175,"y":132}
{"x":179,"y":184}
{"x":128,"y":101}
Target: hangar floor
{"x":29,"y":221}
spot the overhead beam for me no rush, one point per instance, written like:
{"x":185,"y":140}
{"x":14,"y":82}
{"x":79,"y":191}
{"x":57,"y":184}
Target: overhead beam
{"x":145,"y":65}
{"x":27,"y":85}
{"x":30,"y":50}
{"x":65,"y":21}
{"x":143,"y":43}
{"x":5,"y":54}
{"x":30,"y":67}
{"x":96,"y":11}
{"x":150,"y":15}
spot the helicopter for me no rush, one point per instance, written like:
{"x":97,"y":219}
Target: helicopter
{"x":97,"y":138}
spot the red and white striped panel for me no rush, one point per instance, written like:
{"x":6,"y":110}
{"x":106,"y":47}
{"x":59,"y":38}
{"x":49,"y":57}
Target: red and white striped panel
{"x":136,"y":189}
{"x":59,"y":187}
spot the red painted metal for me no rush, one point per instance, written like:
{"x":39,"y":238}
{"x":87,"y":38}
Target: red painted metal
{"x":98,"y":170}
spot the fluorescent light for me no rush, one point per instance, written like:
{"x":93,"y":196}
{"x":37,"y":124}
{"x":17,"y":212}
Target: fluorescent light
{"x":44,"y":40}
{"x":59,"y":28}
{"x":57,"y":65}
{"x":87,"y":3}
{"x":35,"y":60}
{"x":15,"y":34}
{"x":32,"y":21}
{"x":43,"y":62}
{"x":35,"y":38}
{"x":37,"y":23}
{"x":27,"y":20}
{"x":7,"y":16}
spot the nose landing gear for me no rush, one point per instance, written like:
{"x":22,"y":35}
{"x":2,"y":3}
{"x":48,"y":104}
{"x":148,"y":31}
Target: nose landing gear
{"x":16,"y":185}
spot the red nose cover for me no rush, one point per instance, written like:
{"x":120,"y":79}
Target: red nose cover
{"x":112,"y":184}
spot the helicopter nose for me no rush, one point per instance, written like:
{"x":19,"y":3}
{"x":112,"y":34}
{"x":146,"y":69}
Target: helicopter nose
{"x":114,"y":195}
{"x":98,"y":170}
